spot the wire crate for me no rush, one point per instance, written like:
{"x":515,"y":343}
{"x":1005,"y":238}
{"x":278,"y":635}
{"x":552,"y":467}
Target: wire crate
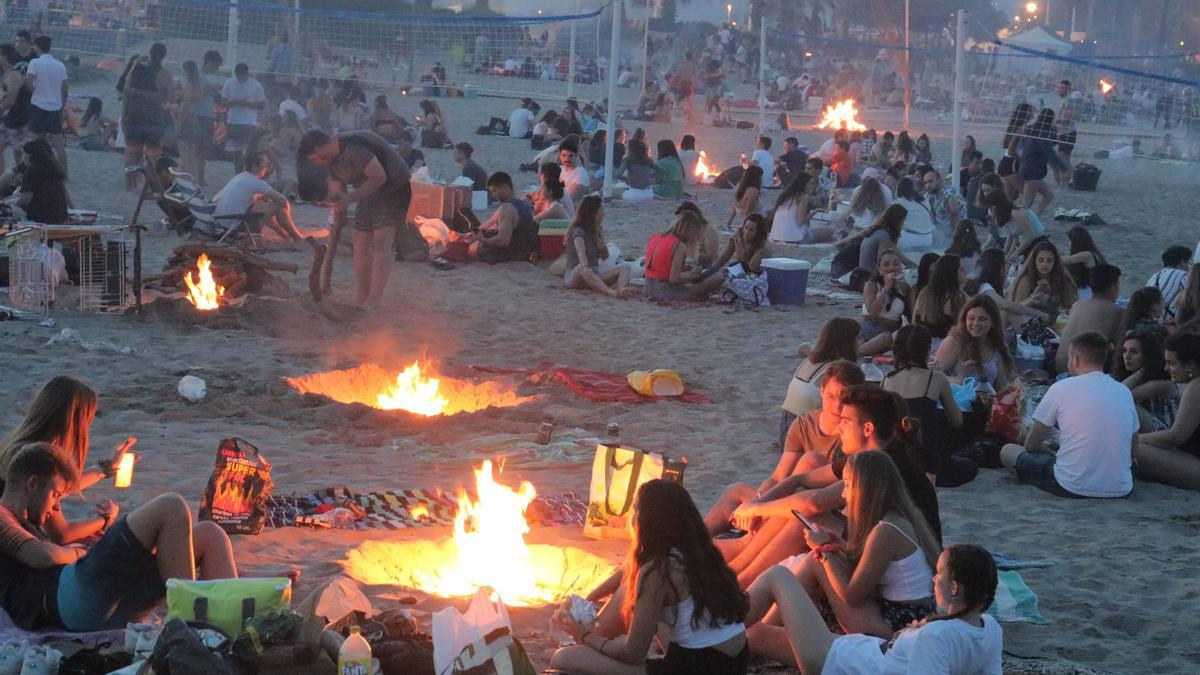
{"x":103,"y":262}
{"x":29,"y":284}
{"x":97,"y":259}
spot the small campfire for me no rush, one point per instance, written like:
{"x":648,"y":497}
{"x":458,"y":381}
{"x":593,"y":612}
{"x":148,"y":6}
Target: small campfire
{"x":205,"y":294}
{"x":704,"y":173}
{"x":213,"y":276}
{"x":487,"y":550}
{"x":841,"y":115}
{"x":418,"y":389}
{"x":1106,"y":87}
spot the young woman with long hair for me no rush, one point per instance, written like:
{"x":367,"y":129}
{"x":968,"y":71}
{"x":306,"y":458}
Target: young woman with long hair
{"x":976,"y":347}
{"x":906,"y":150}
{"x":885,"y":297}
{"x":192,"y":92}
{"x":938,"y":304}
{"x":924,"y":390}
{"x":144,"y":88}
{"x":1172,"y":456}
{"x":95,"y":131}
{"x":924,"y":154}
{"x":1084,"y":255}
{"x":670,"y":171}
{"x":866,"y":205}
{"x":880,"y":578}
{"x":883,"y":234}
{"x":918,"y":228}
{"x":924,"y":272}
{"x":673,"y":575}
{"x":638,"y":172}
{"x":988,"y":184}
{"x":990,"y":279}
{"x":963,"y":640}
{"x":668,"y":276}
{"x":1008,"y":169}
{"x":1043,"y":283}
{"x":1142,"y":368}
{"x":968,"y":148}
{"x":43,"y":184}
{"x":1039,"y":154}
{"x":586,"y":247}
{"x":838,"y":340}
{"x":791,"y":222}
{"x":434,"y":131}
{"x":746,"y":199}
{"x":1021,"y":226}
{"x":746,"y":248}
{"x":964,"y":243}
{"x":549,"y":202}
{"x":1144,"y":312}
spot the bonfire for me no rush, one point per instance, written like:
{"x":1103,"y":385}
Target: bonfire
{"x":704,"y":173}
{"x":205,"y":294}
{"x":841,"y":115}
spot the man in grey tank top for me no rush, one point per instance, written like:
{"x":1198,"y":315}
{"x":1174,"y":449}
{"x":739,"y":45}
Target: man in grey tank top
{"x":379,"y":179}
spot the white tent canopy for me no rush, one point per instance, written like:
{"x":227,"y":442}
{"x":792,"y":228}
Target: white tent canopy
{"x":1011,"y":61}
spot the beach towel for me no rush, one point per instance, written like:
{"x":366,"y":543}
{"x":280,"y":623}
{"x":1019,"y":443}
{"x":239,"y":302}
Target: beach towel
{"x":1015,"y":602}
{"x":598,"y":386}
{"x":10,"y":632}
{"x":402,"y":509}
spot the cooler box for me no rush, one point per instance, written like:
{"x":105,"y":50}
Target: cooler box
{"x":787,"y":280}
{"x":550,"y":238}
{"x":438,"y":201}
{"x":470,"y":91}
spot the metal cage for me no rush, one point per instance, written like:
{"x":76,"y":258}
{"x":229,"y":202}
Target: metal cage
{"x":29,"y":284}
{"x":103,"y":283}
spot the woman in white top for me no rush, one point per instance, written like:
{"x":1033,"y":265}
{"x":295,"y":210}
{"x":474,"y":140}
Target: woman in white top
{"x":881,"y":579}
{"x":746,"y":198}
{"x":689,"y":157}
{"x":839,"y":339}
{"x":917,"y":236}
{"x":866,"y":205}
{"x":792,"y":222}
{"x":964,"y":641}
{"x":673,"y":577}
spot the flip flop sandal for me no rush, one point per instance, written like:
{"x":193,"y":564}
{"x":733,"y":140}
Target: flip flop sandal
{"x":441,"y":264}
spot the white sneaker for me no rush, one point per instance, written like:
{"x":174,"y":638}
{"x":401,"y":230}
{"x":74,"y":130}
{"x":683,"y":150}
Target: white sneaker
{"x":41,"y":660}
{"x":12,"y":656}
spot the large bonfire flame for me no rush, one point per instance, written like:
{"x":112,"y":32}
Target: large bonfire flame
{"x":488,"y":550}
{"x":417,"y":389}
{"x":205,"y":294}
{"x":841,"y":115}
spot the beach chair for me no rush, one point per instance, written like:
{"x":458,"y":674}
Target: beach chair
{"x":185,"y":192}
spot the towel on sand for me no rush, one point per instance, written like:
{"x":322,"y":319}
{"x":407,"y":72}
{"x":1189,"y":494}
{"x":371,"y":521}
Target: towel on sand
{"x":10,"y":632}
{"x":1015,"y":601}
{"x":401,"y":509}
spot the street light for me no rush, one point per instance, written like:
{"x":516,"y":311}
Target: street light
{"x":1031,"y":7}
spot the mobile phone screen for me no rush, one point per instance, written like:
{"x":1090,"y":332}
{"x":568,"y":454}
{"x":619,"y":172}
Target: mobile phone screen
{"x":805,"y":521}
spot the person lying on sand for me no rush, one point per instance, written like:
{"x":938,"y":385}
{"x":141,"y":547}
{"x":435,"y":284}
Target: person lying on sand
{"x":119,"y":579}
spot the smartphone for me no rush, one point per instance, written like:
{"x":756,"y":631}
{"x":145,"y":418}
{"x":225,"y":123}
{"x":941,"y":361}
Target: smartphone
{"x":805,"y":521}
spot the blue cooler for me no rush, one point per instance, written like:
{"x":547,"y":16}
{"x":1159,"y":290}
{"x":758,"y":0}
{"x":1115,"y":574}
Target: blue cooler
{"x":787,"y":280}
{"x":470,"y":91}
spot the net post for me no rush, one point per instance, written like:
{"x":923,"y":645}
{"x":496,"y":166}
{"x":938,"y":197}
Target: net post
{"x":231,"y":37}
{"x":611,"y":119}
{"x":907,"y":66}
{"x":646,"y":44}
{"x":295,"y":26}
{"x":762,"y":72}
{"x":570,"y":57}
{"x":960,"y":46}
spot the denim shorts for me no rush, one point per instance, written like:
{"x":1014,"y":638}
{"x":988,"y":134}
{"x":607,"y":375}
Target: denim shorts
{"x":115,"y":583}
{"x":1037,"y":469}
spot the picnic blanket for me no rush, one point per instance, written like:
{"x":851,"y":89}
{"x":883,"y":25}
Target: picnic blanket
{"x":11,"y":632}
{"x":1015,"y":602}
{"x":595,"y":385}
{"x":401,"y":509}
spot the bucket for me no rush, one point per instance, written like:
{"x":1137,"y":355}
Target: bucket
{"x":1085,"y":178}
{"x":470,"y":91}
{"x":787,"y":280}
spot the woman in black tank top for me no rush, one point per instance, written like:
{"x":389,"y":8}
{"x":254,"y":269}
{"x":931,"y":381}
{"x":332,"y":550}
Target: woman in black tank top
{"x":923,"y":388}
{"x":143,"y":87}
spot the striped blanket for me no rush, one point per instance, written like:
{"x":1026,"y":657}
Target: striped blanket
{"x":401,"y":509}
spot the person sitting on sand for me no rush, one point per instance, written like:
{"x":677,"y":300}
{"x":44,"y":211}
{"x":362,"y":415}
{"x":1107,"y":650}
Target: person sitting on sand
{"x":673,"y":575}
{"x":871,"y":420}
{"x":670,"y":171}
{"x":705,"y":249}
{"x":510,"y":234}
{"x":1098,"y":313}
{"x":884,"y":234}
{"x":880,"y":578}
{"x":791,"y":222}
{"x":413,"y":157}
{"x":520,"y":121}
{"x":249,"y":193}
{"x":1142,"y":369}
{"x":1043,"y":283}
{"x":867,"y":204}
{"x":1083,"y":257}
{"x":668,"y":275}
{"x":380,"y":178}
{"x":638,"y":172}
{"x":119,"y":579}
{"x":1144,"y":312}
{"x":839,"y":339}
{"x":470,"y":168}
{"x":885,"y":297}
{"x":990,"y":280}
{"x":746,"y":198}
{"x":976,"y":347}
{"x":1172,"y":456}
{"x":42,"y":184}
{"x":964,"y":640}
{"x":743,"y":256}
{"x":586,"y":247}
{"x":1021,"y":227}
{"x":550,"y":203}
{"x":1172,"y":278}
{"x":941,"y":301}
{"x":927,"y":394}
{"x":574,"y":174}
{"x":434,"y":131}
{"x":385,"y":121}
{"x":1098,"y":430}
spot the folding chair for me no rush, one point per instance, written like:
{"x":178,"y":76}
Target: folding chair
{"x":186,"y":192}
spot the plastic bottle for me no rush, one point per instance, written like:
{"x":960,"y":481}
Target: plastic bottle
{"x":354,"y":658}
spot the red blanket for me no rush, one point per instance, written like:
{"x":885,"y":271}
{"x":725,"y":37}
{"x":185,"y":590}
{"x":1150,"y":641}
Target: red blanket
{"x":598,"y":386}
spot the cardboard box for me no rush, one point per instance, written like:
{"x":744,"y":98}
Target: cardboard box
{"x":438,"y":201}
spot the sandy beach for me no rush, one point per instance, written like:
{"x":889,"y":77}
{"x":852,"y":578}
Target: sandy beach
{"x":1120,"y":597}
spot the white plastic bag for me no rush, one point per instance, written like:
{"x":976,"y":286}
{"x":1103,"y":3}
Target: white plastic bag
{"x":192,"y":388}
{"x":463,"y":641}
{"x":421,"y":175}
{"x":436,"y":234}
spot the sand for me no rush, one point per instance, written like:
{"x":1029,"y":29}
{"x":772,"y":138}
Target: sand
{"x":1121,"y":596}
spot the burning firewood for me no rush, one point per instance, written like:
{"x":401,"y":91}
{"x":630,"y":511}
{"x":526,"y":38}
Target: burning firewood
{"x":232,"y":272}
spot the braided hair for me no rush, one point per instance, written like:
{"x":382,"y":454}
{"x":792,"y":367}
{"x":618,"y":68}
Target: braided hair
{"x":975,"y":571}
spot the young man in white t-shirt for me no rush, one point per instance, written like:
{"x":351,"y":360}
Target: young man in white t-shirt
{"x":48,"y":77}
{"x":249,"y":193}
{"x":574,"y":177}
{"x":1098,"y":429}
{"x":763,"y":159}
{"x":243,"y":97}
{"x":520,"y":121}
